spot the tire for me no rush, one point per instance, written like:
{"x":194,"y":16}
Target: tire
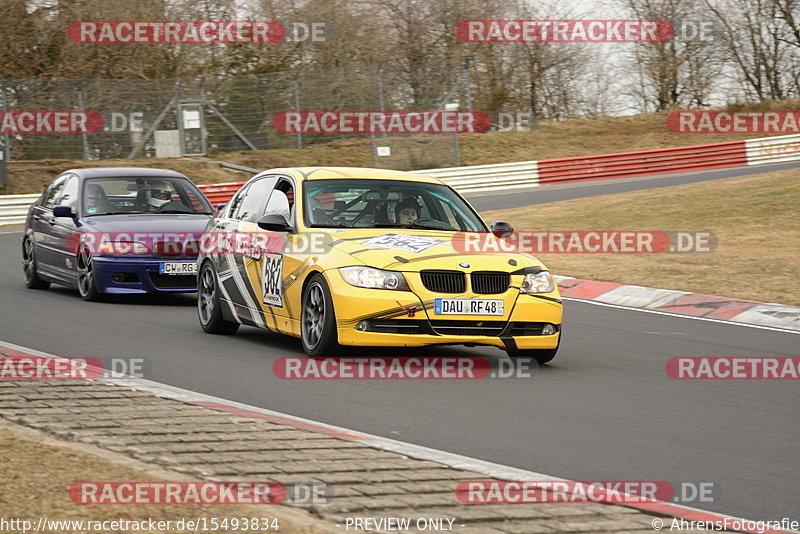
{"x":317,"y":319}
{"x":32,"y":280}
{"x":542,"y":356}
{"x":209,"y":305}
{"x":87,"y":286}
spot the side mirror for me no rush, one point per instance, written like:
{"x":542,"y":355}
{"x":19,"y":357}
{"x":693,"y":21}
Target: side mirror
{"x":221,"y":207}
{"x":502,"y":229}
{"x":63,"y":211}
{"x":274,"y":222}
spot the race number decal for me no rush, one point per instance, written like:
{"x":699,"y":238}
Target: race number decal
{"x":272,"y":279}
{"x":408,"y":243}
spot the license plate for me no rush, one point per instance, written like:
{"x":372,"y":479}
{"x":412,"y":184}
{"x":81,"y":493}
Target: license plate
{"x":468,"y":306}
{"x":178,"y":268}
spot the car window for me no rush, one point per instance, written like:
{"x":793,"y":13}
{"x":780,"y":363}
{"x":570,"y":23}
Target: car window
{"x":142,"y":194}
{"x":371,"y":203}
{"x":48,"y":201}
{"x":69,"y":193}
{"x":236,"y":201}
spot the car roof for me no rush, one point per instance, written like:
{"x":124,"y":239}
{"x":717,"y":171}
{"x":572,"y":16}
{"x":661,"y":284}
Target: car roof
{"x":111,"y":172}
{"x":333,"y":173}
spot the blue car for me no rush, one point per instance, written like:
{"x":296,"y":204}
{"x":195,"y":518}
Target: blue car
{"x":116,"y":230}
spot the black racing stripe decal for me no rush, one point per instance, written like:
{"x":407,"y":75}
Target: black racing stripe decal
{"x":427,"y":258}
{"x":232,"y":289}
{"x":292,"y":277}
{"x":388,"y":313}
{"x":559,"y":301}
{"x":528,"y":270}
{"x":252,"y":292}
{"x":509,"y":343}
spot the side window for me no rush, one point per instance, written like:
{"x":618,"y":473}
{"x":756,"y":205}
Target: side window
{"x":281,"y":202}
{"x":236,"y":201}
{"x":69,"y":194}
{"x":253,"y":199}
{"x":52,"y":192}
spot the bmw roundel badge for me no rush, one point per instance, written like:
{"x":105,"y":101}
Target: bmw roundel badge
{"x":464,"y":265}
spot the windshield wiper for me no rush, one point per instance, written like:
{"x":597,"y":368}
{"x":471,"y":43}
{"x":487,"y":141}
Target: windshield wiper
{"x":416,"y":224}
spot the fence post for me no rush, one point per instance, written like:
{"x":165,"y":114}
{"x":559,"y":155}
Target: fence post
{"x":379,"y":82}
{"x":467,"y":83}
{"x":6,"y":138}
{"x":297,"y":104}
{"x":84,"y":138}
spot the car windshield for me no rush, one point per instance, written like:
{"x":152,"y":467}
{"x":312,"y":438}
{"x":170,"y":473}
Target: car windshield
{"x":142,"y":194}
{"x":366,"y":203}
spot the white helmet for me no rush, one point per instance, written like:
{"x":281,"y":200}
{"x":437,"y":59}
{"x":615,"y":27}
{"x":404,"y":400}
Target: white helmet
{"x":164,"y":192}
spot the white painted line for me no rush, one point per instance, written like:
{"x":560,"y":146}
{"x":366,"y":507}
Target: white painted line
{"x":696,"y":318}
{"x":457,"y":461}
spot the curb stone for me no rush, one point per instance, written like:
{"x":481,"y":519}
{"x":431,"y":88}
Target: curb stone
{"x":682,"y":303}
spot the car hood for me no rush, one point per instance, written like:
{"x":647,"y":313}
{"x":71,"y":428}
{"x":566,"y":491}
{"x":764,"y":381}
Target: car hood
{"x":146,"y":223}
{"x":414,"y":250}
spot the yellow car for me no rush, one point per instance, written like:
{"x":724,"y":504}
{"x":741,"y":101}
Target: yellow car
{"x":350,"y":256}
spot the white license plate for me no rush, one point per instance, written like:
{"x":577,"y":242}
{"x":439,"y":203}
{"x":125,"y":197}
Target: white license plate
{"x":178,"y":268}
{"x":468,"y":306}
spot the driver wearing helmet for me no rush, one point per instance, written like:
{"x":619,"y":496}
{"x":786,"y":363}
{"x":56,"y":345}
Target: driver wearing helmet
{"x":160,"y":194}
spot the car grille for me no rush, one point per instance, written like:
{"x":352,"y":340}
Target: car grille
{"x":444,"y":281}
{"x":490,"y":282}
{"x":468,"y":328}
{"x":456,"y":327}
{"x":169,"y":249}
{"x":174,"y":281}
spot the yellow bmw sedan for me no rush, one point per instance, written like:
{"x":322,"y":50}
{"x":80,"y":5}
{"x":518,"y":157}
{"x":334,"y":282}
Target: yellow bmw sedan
{"x":355,"y":256}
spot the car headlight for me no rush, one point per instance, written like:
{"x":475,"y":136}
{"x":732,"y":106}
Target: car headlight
{"x":541,"y":282}
{"x":374,"y":278}
{"x":123,"y":248}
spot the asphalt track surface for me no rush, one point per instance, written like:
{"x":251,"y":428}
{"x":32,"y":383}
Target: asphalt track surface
{"x":604,"y":409}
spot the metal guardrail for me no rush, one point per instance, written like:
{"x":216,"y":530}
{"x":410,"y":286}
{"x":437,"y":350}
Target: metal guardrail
{"x":773,"y":149}
{"x":477,"y":178}
{"x":488,"y":177}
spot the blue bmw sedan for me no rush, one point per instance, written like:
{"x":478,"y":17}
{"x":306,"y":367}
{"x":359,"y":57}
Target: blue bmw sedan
{"x":116,"y":230}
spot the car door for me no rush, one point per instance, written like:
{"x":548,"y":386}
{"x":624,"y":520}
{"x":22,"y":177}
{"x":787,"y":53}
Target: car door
{"x":235,"y":268}
{"x":63,"y":230}
{"x":276,"y":268}
{"x":42,"y":227}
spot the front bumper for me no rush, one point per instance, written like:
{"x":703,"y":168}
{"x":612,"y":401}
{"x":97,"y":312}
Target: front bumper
{"x":140,"y":275}
{"x":407,"y":319}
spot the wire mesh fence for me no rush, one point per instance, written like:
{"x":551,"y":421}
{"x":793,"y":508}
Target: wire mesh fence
{"x":208,"y":114}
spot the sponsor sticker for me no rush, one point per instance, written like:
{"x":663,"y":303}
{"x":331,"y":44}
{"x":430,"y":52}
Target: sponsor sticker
{"x":408,"y":243}
{"x":272,"y":277}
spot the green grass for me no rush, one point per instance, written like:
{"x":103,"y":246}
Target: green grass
{"x":756,"y":220}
